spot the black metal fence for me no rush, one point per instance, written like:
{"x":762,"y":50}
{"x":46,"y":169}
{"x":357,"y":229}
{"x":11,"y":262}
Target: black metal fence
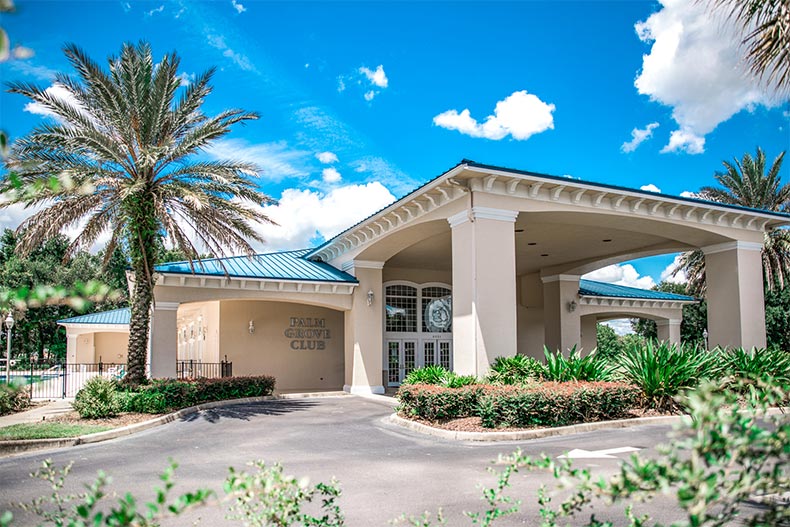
{"x":192,"y":369}
{"x":64,"y":380}
{"x":61,"y":380}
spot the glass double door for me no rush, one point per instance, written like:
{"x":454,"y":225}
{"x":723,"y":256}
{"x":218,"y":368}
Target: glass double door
{"x":406,"y":354}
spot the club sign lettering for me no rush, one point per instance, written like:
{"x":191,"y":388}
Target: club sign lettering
{"x":307,"y":333}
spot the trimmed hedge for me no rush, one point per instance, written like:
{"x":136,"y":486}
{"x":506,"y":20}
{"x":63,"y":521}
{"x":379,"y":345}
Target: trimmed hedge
{"x":556,"y":404}
{"x":13,"y":398}
{"x":433,"y":402}
{"x":545,"y":404}
{"x":165,"y":395}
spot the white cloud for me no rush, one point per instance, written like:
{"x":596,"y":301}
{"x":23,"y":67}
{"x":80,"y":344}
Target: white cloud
{"x":341,"y":85}
{"x":38,"y":71}
{"x":621,"y":274}
{"x":696,"y":67}
{"x":650,"y":188}
{"x":687,"y":194}
{"x":152,"y":12}
{"x":369,"y":95}
{"x":57,"y":91}
{"x":186,"y":78}
{"x":276,"y":160}
{"x":383,"y":171}
{"x":330,"y":175}
{"x":238,"y":6}
{"x":678,"y":278}
{"x":621,"y":326}
{"x":638,"y":136}
{"x":241,"y":60}
{"x":684,"y":140}
{"x":304,"y":215}
{"x":326,"y":157}
{"x":377,"y":77}
{"x":519,"y":115}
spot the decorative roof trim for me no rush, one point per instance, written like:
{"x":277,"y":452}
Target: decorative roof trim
{"x":95,"y":325}
{"x":255,"y":284}
{"x":611,"y":301}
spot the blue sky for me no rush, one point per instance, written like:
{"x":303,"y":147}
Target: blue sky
{"x":361,"y":102}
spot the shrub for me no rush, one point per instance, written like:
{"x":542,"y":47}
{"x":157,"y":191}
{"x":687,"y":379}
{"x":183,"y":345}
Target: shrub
{"x":662,"y":371}
{"x":13,"y":398}
{"x":438,"y":376}
{"x":756,"y":364}
{"x":97,"y":399}
{"x":515,"y":370}
{"x":166,"y":395}
{"x":556,"y":404}
{"x":574,"y":367}
{"x":433,"y":402}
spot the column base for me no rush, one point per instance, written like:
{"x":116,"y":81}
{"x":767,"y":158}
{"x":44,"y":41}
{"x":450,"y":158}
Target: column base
{"x":363,"y":390}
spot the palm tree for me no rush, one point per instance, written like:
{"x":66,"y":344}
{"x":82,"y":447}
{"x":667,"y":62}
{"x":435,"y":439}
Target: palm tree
{"x":766,"y":34}
{"x":746,"y":183}
{"x":124,"y":146}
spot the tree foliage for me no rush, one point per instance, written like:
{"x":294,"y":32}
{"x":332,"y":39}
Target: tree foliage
{"x":125,"y":148}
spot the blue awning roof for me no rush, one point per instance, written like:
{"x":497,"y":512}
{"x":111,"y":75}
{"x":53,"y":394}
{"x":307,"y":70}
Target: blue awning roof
{"x":288,"y":265}
{"x":114,"y":317}
{"x":593,"y":288}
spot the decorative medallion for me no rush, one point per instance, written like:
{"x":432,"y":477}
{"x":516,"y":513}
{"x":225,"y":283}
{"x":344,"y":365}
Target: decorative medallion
{"x":439,"y":314}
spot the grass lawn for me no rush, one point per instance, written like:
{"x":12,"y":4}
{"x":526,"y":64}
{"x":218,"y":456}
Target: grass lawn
{"x":48,"y":430}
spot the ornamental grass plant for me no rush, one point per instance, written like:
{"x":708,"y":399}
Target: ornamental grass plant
{"x":574,"y":367}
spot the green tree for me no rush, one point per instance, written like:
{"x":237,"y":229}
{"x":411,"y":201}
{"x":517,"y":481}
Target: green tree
{"x":128,"y":144}
{"x":695,"y":317}
{"x":777,"y":318}
{"x":748,"y":184}
{"x":609,"y":344}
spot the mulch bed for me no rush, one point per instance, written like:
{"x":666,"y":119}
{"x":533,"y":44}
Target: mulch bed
{"x":473,"y":424}
{"x":124,"y":419}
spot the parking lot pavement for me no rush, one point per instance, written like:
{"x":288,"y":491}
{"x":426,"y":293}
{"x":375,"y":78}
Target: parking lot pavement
{"x":384,"y":470}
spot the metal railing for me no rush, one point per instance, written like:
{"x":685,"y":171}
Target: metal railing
{"x":192,"y":369}
{"x":62,"y":380}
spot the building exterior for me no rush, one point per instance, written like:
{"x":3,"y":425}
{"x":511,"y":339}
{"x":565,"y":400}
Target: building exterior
{"x":480,"y":262}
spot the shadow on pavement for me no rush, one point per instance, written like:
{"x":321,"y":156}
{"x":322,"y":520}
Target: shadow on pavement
{"x":246,"y":411}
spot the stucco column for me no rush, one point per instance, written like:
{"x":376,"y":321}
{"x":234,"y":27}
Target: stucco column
{"x":560,"y":314}
{"x":484,"y":288}
{"x":71,"y":347}
{"x":363,"y":328}
{"x":163,"y":343}
{"x":736,"y":307}
{"x":589,"y":333}
{"x":669,"y":331}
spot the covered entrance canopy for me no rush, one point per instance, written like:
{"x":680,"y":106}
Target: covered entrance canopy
{"x":511,"y":247}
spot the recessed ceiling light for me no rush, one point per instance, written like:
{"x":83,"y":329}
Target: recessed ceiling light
{"x":607,"y":240}
{"x":544,"y":254}
{"x":532,"y":243}
{"x":519,"y":230}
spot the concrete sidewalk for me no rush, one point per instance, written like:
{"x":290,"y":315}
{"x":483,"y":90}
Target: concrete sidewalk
{"x":42,"y":412}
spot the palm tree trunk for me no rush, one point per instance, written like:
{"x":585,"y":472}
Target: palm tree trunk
{"x":139,"y":325}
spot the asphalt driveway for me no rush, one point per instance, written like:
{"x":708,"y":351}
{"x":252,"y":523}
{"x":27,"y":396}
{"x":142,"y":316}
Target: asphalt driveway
{"x":384,"y":471}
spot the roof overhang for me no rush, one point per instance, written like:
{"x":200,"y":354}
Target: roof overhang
{"x":612,"y":301}
{"x":469,"y":176}
{"x":95,"y":326}
{"x":254,"y":284}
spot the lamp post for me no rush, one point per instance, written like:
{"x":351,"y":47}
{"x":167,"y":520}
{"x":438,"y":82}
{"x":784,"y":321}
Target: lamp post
{"x":705,"y":336}
{"x":9,"y":323}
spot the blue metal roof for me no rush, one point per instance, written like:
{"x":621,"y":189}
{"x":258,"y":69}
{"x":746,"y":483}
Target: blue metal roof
{"x":116,"y":316}
{"x":593,"y":288}
{"x":288,"y":265}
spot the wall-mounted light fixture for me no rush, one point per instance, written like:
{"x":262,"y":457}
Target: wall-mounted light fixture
{"x":571,"y":306}
{"x":252,"y":327}
{"x":370,"y":297}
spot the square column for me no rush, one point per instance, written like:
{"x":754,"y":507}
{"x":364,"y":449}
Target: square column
{"x":484,"y":288}
{"x":561,"y":318}
{"x":736,"y":307}
{"x":163,"y":341}
{"x":589,"y":334}
{"x":363,"y":328}
{"x":669,"y":331}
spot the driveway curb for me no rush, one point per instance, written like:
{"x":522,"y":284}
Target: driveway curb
{"x":523,"y":435}
{"x":18,"y":446}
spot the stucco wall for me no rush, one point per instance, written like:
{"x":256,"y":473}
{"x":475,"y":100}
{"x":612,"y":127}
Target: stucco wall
{"x":270,"y":351}
{"x":111,"y":347}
